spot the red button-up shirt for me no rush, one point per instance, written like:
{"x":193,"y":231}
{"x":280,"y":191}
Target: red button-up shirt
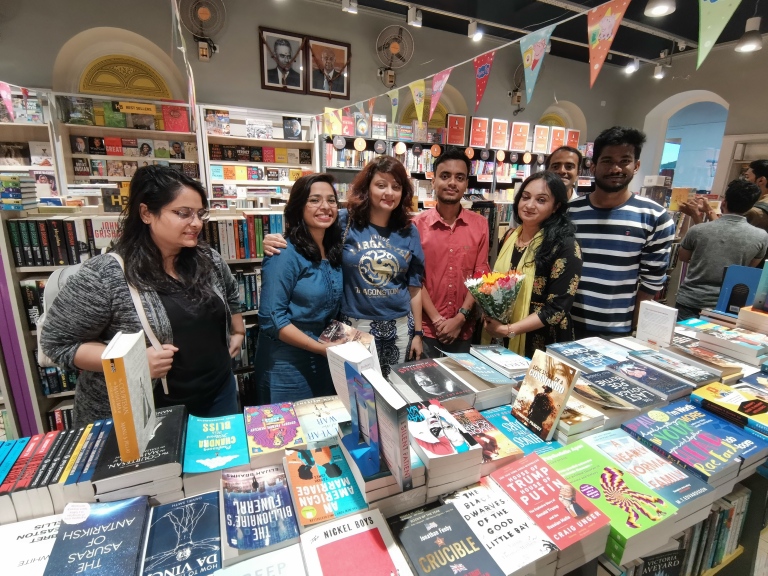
{"x":452,"y":254}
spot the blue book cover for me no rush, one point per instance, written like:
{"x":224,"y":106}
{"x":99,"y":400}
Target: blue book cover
{"x":585,"y":359}
{"x":674,"y":366}
{"x":85,"y":452}
{"x":501,"y":417}
{"x":13,"y":455}
{"x":217,"y":172}
{"x":703,"y":443}
{"x":667,"y":480}
{"x":625,"y":390}
{"x":651,"y":379}
{"x":757,"y":380}
{"x":100,"y":538}
{"x":480,"y":369}
{"x":183,"y":537}
{"x":5,"y":448}
{"x":215,"y":443}
{"x":98,"y":446}
{"x":258,"y":512}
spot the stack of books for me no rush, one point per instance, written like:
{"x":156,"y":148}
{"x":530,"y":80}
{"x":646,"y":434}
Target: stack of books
{"x":17,"y":191}
{"x":578,"y":420}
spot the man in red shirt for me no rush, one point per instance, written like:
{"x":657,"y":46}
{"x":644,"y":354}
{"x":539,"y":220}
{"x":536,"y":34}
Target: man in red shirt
{"x":455,"y":244}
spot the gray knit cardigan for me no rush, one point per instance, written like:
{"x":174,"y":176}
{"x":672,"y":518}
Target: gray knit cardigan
{"x":94,"y":305}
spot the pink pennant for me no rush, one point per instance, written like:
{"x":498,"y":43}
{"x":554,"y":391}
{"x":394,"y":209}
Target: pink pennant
{"x":482,"y":73}
{"x":439,"y":81}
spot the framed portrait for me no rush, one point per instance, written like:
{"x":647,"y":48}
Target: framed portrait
{"x":328,"y":68}
{"x":283,"y":60}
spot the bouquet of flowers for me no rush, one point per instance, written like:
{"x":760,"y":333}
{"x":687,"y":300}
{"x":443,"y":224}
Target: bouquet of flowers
{"x":496,"y":293}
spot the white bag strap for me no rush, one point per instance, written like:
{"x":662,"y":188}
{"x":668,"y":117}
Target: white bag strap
{"x":142,"y":314}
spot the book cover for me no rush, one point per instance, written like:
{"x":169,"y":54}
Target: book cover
{"x":103,"y":538}
{"x":291,"y":128}
{"x":435,"y":433}
{"x":499,"y":136}
{"x":496,"y":447}
{"x":27,"y":545}
{"x":457,"y":128}
{"x":272,"y":428}
{"x":353,"y":545}
{"x":478,"y":133}
{"x":737,"y":406}
{"x":175,"y":118}
{"x":583,"y":358}
{"x":481,"y":369}
{"x":556,"y":138}
{"x":286,"y":561}
{"x":501,"y":417}
{"x":501,"y":358}
{"x":183,"y":537}
{"x":519,"y":137}
{"x":579,"y":416}
{"x":631,"y":506}
{"x":600,"y":396}
{"x":676,"y":367}
{"x":736,"y":339}
{"x":423,"y":380}
{"x":668,"y":481}
{"x":426,"y":536}
{"x":305,"y":156}
{"x":259,"y":129}
{"x":215,"y":443}
{"x":126,"y":371}
{"x":663,"y":564}
{"x":41,"y":154}
{"x":543,"y":394}
{"x":605,"y":347}
{"x":268,"y":154}
{"x":572,"y":137}
{"x":258,"y":512}
{"x":96,"y":146}
{"x":712,"y":361}
{"x":651,"y":379}
{"x":512,"y":538}
{"x":14,"y":154}
{"x":540,"y":139}
{"x":76,"y":110}
{"x":217,"y":122}
{"x":190,"y":151}
{"x":631,"y":393}
{"x":162,"y":148}
{"x":322,"y":485}
{"x":242,"y":153}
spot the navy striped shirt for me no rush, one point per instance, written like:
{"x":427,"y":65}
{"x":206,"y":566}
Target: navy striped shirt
{"x":620,"y":247}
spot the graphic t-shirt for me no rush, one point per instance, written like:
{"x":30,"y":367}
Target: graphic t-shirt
{"x":379,"y":265}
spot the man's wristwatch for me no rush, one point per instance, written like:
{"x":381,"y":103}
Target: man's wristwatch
{"x":418,"y":333}
{"x":465,"y":312}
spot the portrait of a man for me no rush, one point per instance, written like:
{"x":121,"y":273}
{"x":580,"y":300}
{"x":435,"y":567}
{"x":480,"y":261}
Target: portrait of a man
{"x":328,"y":68}
{"x":282,"y":60}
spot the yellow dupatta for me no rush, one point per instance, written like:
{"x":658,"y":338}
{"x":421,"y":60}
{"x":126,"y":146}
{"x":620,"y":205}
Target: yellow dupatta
{"x":526,"y":266}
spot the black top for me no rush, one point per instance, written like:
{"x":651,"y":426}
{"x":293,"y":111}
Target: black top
{"x":202,"y":366}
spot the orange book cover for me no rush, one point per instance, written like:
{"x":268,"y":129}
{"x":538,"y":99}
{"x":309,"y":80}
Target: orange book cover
{"x":556,"y":138}
{"x":229,"y":173}
{"x":540,"y":139}
{"x":519,"y":140}
{"x":478,"y":134}
{"x":499,"y":134}
{"x":572,"y":137}
{"x":457,"y":127}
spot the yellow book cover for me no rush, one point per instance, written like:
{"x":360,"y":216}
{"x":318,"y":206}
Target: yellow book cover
{"x":75,"y":454}
{"x":241,"y":173}
{"x":129,"y":386}
{"x":281,"y":155}
{"x":159,"y":121}
{"x":679,"y":196}
{"x":98,"y":116}
{"x":294,"y":174}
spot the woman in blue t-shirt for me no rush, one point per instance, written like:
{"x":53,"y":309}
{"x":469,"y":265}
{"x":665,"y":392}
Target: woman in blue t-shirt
{"x":383,"y":262}
{"x":301,"y":293}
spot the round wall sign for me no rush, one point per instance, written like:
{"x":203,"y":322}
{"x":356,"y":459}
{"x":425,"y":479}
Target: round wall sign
{"x":360,"y":144}
{"x":339,"y":142}
{"x":540,"y":158}
{"x":500,"y":155}
{"x":400,"y":148}
{"x":435,"y":150}
{"x":514,"y":157}
{"x":417,"y":149}
{"x":484,"y":155}
{"x":470,"y":152}
{"x":380,"y":147}
{"x":527,"y":158}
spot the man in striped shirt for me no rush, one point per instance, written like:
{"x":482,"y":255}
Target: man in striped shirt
{"x":625,"y":240}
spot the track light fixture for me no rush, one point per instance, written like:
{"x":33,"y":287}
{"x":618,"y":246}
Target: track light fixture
{"x":349,"y":6}
{"x":659,"y":8}
{"x":751,"y":40}
{"x":414,"y":16}
{"x":473,"y":32}
{"x":633,"y":66}
{"x":658,"y":72}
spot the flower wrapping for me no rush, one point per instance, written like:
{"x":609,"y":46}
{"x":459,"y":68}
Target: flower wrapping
{"x":496,"y":293}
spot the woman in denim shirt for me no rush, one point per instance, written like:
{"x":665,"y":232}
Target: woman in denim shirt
{"x":301,"y":294}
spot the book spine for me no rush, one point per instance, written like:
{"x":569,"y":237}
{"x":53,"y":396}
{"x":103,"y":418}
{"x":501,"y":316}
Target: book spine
{"x":71,"y":237}
{"x":77,"y":447}
{"x":231,"y":242}
{"x":26,"y":244}
{"x":244,"y":239}
{"x":15,"y":237}
{"x":714,"y":527}
{"x":122,"y":412}
{"x":58,"y":242}
{"x":45,"y":245}
{"x":249,"y":220}
{"x":722,"y":411}
{"x":237,"y":241}
{"x":34,"y":240}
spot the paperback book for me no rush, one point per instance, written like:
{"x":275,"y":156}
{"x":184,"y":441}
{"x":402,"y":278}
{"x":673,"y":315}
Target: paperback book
{"x":543,"y":394}
{"x":502,"y":419}
{"x":579,"y":356}
{"x":481,"y":369}
{"x":655,"y":381}
{"x":320,"y":418}
{"x":497,"y":449}
{"x":271,"y":429}
{"x":425,"y":380}
{"x":215,"y":443}
{"x":607,"y":381}
{"x":693,"y":353}
{"x":501,"y":358}
{"x":436,"y":435}
{"x":601,"y":396}
{"x":25,"y":546}
{"x":692,"y":374}
{"x":737,"y":406}
{"x":605,"y":347}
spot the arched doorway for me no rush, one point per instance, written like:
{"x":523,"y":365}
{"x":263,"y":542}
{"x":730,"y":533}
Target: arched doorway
{"x":567,"y":115}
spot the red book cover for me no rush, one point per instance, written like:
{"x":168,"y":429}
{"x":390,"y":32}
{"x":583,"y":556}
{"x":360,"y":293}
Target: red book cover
{"x":499,"y":134}
{"x":519,"y":140}
{"x":572,"y":138}
{"x":478,"y":134}
{"x":251,"y":234}
{"x":347,"y":126}
{"x":556,"y":138}
{"x":114,"y":145}
{"x":540,"y":139}
{"x":268,"y":154}
{"x":35,"y":460}
{"x":346,"y":556}
{"x":559,"y":509}
{"x":457,"y":127}
{"x":175,"y":118}
{"x":21,"y":463}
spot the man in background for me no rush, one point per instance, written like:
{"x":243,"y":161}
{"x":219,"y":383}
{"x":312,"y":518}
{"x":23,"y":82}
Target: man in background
{"x":566,"y":162}
{"x":455,"y":244}
{"x":713,"y":246}
{"x":757,"y":173}
{"x":283,"y":73}
{"x":625,"y":240}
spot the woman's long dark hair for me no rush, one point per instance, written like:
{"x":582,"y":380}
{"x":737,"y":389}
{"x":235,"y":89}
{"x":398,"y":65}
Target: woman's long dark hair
{"x":556,"y":229}
{"x":296,"y":229}
{"x":359,"y":197}
{"x":156,"y":187}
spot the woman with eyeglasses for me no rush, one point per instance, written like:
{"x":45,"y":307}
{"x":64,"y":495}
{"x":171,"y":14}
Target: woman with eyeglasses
{"x":188,"y":293}
{"x":301,"y":294}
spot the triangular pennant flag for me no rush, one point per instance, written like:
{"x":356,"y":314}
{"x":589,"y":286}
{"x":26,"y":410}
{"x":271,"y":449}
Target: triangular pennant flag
{"x":713,"y":16}
{"x":395,"y":100}
{"x":534,"y":48}
{"x":371,"y":104}
{"x":347,"y":111}
{"x":439,"y":81}
{"x":418,"y":91}
{"x":5,"y":94}
{"x":602,"y":24}
{"x":482,"y":73}
{"x":337,"y":114}
{"x":360,"y":107}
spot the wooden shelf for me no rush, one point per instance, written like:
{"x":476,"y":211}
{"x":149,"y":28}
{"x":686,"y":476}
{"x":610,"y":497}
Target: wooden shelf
{"x":244,"y":261}
{"x":132,"y":132}
{"x":34,"y":269}
{"x":25,"y":124}
{"x":219,"y":139}
{"x":251,"y":312}
{"x":345,"y":168}
{"x":727,"y":560}
{"x":265,"y":164}
{"x":131,"y":158}
{"x":67,"y":394}
{"x":15,"y":168}
{"x":254,"y":182}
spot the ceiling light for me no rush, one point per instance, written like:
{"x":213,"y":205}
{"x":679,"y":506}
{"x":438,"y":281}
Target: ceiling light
{"x":349,"y":6}
{"x":658,"y":72}
{"x":414,"y":16}
{"x":633,"y":66}
{"x":658,"y":8}
{"x":751,"y":40}
{"x":473,"y":32}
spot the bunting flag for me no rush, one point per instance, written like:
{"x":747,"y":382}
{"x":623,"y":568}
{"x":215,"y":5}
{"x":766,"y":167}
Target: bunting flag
{"x":360,"y":107}
{"x":482,"y":73}
{"x":713,"y":16}
{"x":347,"y":111}
{"x":5,"y":94}
{"x":418,"y":91}
{"x":439,"y":81}
{"x":371,"y":104}
{"x":602,"y":24}
{"x":534,"y":48}
{"x":395,"y":100}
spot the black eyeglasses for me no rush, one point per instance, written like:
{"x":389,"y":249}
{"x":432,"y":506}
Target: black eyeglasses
{"x":188,"y":214}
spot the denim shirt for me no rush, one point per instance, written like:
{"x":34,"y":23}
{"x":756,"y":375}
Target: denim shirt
{"x":296,"y":291}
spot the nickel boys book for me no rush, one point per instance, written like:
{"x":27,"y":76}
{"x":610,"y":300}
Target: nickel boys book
{"x":543,"y":394}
